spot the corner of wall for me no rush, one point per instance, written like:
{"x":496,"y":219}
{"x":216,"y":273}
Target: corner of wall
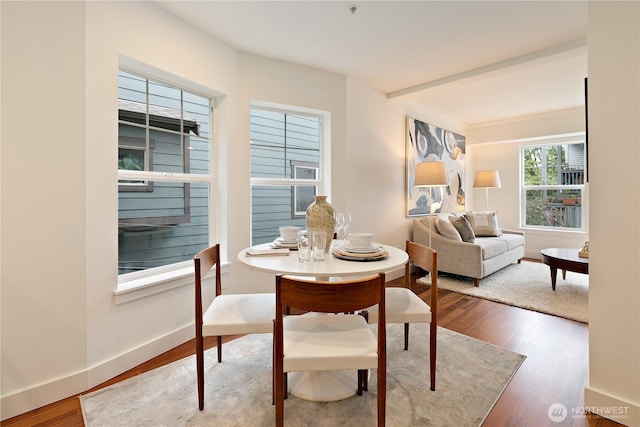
{"x":77,"y":382}
{"x":607,"y":406}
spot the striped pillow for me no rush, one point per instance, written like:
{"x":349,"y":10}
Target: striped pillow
{"x":484,"y":224}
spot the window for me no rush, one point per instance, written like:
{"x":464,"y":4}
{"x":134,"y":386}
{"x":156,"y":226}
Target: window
{"x":553,"y":185}
{"x":303,"y":195}
{"x":285,"y":169}
{"x":164,"y":173}
{"x":135,"y":154}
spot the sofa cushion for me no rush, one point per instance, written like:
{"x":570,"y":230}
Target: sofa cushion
{"x":494,"y":246}
{"x":491,"y":247}
{"x":512,"y":240}
{"x":447,"y":229}
{"x":484,"y":224}
{"x":464,"y":228}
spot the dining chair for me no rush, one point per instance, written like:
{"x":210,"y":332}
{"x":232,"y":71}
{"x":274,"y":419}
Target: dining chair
{"x":404,"y":306}
{"x":321,"y":340}
{"x":228,"y":314}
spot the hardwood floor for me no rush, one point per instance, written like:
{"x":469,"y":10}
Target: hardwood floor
{"x":553,"y":372}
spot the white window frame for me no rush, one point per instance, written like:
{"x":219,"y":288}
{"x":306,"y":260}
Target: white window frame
{"x":135,"y":285}
{"x":578,"y":138}
{"x":323,"y":179}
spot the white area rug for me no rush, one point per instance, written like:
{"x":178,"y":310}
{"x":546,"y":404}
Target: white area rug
{"x":528,"y":285}
{"x":471,"y":377}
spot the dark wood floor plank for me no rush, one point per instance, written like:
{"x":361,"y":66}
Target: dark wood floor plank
{"x":553,"y":372}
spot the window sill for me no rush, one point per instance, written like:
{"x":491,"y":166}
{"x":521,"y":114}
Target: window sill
{"x":143,"y":287}
{"x":541,"y":230}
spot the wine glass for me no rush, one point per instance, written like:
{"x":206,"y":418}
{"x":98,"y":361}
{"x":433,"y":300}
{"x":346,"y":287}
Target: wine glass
{"x":340,"y":228}
{"x":345,"y":225}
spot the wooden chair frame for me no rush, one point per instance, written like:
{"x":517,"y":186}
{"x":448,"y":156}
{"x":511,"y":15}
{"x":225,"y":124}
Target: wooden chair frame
{"x":426,"y":259}
{"x":233,"y":314}
{"x":203,"y":262}
{"x":329,"y":297}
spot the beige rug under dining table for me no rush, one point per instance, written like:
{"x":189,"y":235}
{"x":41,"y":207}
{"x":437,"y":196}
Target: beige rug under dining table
{"x":321,"y":385}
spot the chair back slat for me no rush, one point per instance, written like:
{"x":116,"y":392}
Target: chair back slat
{"x":330,"y":297}
{"x":207,"y":258}
{"x":427,"y":259}
{"x":203,"y":262}
{"x":422,"y":256}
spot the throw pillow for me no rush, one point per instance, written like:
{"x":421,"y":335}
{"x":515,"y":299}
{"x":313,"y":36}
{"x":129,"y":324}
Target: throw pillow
{"x":464,"y":228}
{"x":447,"y":229}
{"x":484,"y":224}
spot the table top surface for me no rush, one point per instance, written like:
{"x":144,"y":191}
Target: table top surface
{"x":331,"y":267}
{"x":566,"y":254}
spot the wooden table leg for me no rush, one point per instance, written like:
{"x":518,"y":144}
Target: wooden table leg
{"x":554,"y":274}
{"x":564,"y":274}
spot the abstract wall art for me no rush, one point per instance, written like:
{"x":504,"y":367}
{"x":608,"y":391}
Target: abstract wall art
{"x":427,"y":143}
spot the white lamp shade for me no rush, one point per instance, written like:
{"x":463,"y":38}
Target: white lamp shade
{"x":487,"y":179}
{"x":430,"y":174}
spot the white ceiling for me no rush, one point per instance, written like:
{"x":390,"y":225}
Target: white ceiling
{"x":475,"y":61}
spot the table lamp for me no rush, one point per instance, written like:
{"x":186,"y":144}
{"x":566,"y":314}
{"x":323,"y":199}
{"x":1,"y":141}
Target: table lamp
{"x":430,"y":174}
{"x":487,"y":179}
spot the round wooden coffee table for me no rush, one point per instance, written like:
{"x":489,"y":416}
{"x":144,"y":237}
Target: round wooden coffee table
{"x":564,"y":259}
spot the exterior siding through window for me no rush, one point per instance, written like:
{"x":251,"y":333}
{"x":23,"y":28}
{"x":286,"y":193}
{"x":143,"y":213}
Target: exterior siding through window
{"x":164,"y":141}
{"x":285,"y":149}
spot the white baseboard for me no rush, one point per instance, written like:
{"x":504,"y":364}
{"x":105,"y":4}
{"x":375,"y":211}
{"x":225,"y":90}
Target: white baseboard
{"x":610,"y":407}
{"x":78,"y":382}
{"x":43,"y":394}
{"x":125,"y":361}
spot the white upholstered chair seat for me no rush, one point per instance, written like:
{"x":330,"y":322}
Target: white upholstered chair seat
{"x":403,"y":306}
{"x":236,"y":314}
{"x":324,"y":342}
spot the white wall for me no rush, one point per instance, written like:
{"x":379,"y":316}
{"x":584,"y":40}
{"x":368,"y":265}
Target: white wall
{"x":59,"y":64}
{"x":614,"y":270}
{"x":43,"y":205}
{"x":496,"y":145}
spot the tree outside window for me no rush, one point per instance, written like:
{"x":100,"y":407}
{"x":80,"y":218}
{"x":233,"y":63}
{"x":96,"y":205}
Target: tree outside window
{"x":553,"y":185}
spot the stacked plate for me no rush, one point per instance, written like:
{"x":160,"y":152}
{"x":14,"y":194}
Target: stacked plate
{"x":372,"y":253}
{"x":281,"y":243}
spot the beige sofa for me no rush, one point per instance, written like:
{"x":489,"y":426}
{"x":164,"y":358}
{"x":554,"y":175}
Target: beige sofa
{"x":484,"y":256}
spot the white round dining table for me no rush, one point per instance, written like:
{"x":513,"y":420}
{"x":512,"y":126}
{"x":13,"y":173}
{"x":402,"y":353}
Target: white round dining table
{"x":325,"y":386}
{"x":330,"y":267}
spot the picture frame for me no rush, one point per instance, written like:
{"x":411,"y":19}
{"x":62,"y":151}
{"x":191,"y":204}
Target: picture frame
{"x":426,"y":142}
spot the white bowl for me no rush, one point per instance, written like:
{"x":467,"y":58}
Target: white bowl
{"x":360,"y":240}
{"x":289,"y":232}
